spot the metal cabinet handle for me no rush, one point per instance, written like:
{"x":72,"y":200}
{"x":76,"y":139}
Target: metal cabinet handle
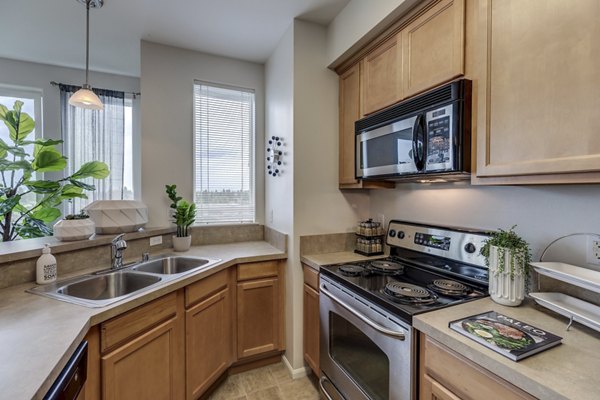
{"x":374,"y":325}
{"x":323,"y":379}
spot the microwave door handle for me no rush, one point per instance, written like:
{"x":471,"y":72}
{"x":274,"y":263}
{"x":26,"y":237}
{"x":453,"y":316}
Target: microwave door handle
{"x":418,"y":159}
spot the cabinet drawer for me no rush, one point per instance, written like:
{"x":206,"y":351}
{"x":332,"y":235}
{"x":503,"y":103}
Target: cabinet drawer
{"x":311,"y":277}
{"x":202,"y":289}
{"x":136,"y":321}
{"x":256,"y":270}
{"x":463,"y":377}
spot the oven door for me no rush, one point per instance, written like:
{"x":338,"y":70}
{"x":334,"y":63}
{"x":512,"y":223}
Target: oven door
{"x":387,"y":150}
{"x":365,"y":353}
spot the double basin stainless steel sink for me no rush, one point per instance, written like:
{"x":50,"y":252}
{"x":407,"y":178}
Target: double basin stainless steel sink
{"x":107,"y":287}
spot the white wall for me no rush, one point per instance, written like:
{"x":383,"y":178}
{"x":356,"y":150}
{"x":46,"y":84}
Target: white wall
{"x":167,"y":81}
{"x":358,"y":23}
{"x":542,"y":213}
{"x":302,"y":107}
{"x":38,"y":76}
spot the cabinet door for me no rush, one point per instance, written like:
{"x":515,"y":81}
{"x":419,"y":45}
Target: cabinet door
{"x":209,"y":350}
{"x":432,"y":390}
{"x":433,"y":47}
{"x":349,"y":114}
{"x":311,"y":328}
{"x":147,"y":367}
{"x":538,"y":91}
{"x":258,"y":323}
{"x":382,"y":76}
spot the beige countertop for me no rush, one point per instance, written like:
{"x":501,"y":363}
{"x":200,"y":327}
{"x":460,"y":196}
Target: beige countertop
{"x":568,"y":371}
{"x":316,"y":260}
{"x":38,"y":335}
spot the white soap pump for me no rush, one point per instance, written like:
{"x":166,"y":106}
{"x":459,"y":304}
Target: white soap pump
{"x":45,"y":267}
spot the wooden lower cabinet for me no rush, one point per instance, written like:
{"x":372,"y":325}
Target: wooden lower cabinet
{"x":179,"y":345}
{"x":311,"y":338}
{"x":148,"y":367}
{"x":260,"y":322}
{"x":446,"y":375}
{"x":209,"y":334}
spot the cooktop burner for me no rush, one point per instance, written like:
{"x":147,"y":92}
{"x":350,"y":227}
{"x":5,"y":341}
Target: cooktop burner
{"x":386,"y":267}
{"x":449,"y":287}
{"x":352,"y":270}
{"x":409,"y":293}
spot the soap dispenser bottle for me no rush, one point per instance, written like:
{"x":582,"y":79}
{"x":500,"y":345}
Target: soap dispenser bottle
{"x":45,"y":267}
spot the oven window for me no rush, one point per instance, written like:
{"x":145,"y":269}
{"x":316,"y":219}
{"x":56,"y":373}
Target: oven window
{"x":360,"y":357}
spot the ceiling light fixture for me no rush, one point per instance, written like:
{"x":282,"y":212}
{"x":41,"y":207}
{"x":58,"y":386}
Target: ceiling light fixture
{"x":85,"y":97}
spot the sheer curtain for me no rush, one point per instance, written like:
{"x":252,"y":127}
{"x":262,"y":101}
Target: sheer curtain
{"x":91,"y":135}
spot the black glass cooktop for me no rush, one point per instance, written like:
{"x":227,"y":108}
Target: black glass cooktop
{"x":407,"y":288}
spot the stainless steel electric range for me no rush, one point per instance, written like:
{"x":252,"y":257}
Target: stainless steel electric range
{"x":368,"y":347}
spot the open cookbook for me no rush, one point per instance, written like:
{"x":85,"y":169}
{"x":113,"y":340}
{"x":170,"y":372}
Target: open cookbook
{"x":505,"y":335}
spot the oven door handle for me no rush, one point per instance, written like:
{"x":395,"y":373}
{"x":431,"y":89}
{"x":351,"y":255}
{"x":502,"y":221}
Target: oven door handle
{"x":323,"y":379}
{"x":374,"y":325}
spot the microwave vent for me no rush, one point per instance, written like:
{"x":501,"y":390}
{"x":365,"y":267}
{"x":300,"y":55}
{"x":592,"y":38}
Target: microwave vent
{"x":438,"y":96}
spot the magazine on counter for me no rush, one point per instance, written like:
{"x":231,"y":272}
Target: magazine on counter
{"x":505,"y":335}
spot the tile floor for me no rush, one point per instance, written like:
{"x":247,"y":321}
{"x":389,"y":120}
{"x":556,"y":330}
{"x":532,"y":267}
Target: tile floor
{"x":267,"y":383}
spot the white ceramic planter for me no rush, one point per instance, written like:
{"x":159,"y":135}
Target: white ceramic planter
{"x":117,"y":216}
{"x":504,"y":290}
{"x":182,"y":243}
{"x":74,"y":229}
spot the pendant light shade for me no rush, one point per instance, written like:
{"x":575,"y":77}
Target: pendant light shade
{"x":85,"y":97}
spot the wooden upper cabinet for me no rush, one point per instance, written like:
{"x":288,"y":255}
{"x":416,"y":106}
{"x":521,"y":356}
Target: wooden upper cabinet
{"x":433,"y":47}
{"x":382,"y":76}
{"x":538,"y":99}
{"x":349,"y":113}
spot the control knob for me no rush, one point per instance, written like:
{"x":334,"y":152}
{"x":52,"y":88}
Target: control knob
{"x":401,"y":235}
{"x":470,"y":248}
{"x":393,"y":233}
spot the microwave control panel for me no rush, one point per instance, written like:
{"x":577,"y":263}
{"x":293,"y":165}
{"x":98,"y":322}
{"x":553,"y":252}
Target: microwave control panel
{"x":439,"y":137}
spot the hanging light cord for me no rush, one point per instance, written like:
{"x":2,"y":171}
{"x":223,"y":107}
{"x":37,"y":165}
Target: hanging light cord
{"x":87,"y":41}
{"x":564,"y":237}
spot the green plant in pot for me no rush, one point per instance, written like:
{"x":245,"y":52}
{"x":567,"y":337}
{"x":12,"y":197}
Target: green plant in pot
{"x":184,"y":215}
{"x":507,"y":256}
{"x":29,"y":201}
{"x":74,"y":227}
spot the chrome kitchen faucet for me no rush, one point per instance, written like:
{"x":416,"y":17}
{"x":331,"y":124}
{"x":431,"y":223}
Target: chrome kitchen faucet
{"x":117,"y":246}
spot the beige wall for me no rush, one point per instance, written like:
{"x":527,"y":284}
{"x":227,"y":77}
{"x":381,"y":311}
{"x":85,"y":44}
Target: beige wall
{"x":167,"y":79}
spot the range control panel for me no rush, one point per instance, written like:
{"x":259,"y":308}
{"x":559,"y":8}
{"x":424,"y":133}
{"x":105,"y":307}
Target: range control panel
{"x":457,"y":244}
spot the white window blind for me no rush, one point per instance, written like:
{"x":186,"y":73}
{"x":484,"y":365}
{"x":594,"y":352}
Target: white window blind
{"x":223,"y":154}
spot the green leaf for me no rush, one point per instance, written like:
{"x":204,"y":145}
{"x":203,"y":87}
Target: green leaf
{"x":43,"y":186}
{"x":3,"y":111}
{"x":46,"y":214}
{"x":70,"y":191}
{"x":6,"y":205}
{"x":49,"y":159}
{"x":32,"y":228}
{"x":92,"y":169}
{"x":83,"y":185}
{"x":20,"y":125}
{"x":41,"y":142}
{"x":7,"y":165}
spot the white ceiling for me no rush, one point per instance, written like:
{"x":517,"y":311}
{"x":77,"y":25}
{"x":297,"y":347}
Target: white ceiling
{"x":53,"y":32}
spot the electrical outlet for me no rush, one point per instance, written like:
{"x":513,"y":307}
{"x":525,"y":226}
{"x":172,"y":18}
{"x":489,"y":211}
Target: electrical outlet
{"x":593,"y":254}
{"x":155,"y":240}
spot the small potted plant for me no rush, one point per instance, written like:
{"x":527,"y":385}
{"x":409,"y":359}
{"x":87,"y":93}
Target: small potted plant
{"x":74,"y":227}
{"x":184,"y":215}
{"x":507,"y":256}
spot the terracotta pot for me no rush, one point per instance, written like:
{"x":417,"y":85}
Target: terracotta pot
{"x":74,"y":229}
{"x":182,"y":243}
{"x":504,"y":290}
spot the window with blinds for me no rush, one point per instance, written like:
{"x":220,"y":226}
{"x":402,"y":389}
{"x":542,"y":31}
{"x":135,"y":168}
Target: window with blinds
{"x":223,"y":154}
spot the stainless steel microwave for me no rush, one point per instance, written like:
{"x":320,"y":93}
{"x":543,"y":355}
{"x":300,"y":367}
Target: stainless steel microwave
{"x":425,"y":138}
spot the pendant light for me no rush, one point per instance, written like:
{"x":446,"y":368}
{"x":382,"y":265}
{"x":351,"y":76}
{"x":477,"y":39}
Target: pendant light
{"x":85,"y":97}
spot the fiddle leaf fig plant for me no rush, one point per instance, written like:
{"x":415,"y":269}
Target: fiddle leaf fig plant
{"x":508,"y":241}
{"x":28,"y":202}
